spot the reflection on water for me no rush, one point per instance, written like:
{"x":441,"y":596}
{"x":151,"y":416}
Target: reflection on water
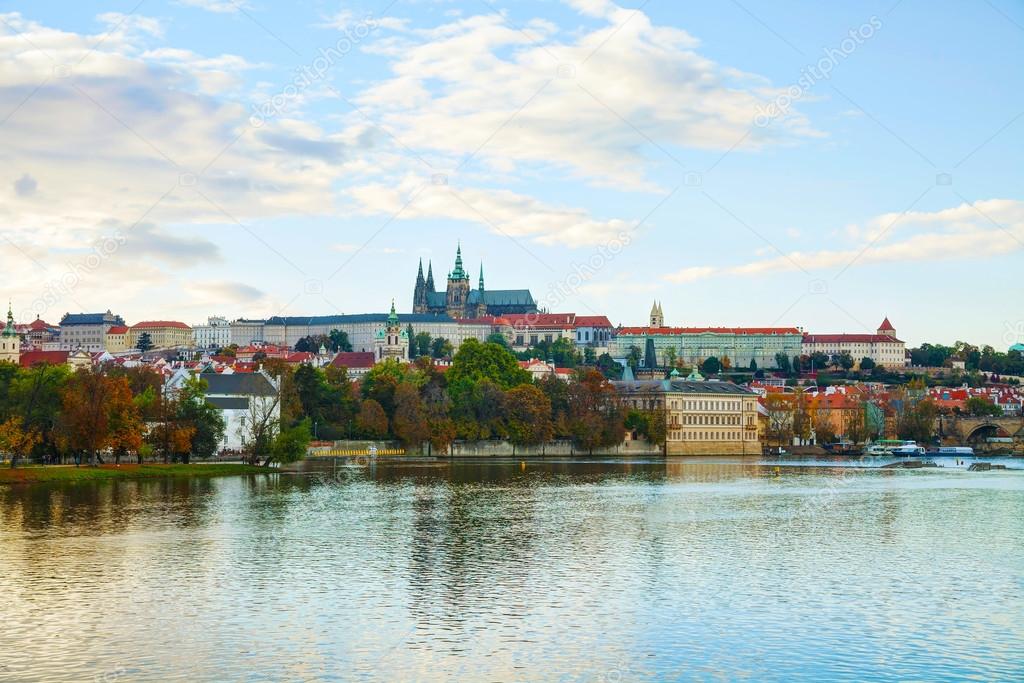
{"x":504,"y":570}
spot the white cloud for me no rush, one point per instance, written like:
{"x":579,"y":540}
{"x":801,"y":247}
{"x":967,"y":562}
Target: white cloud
{"x":977,"y":230}
{"x":217,"y":6}
{"x":499,"y":211}
{"x":515,"y":98}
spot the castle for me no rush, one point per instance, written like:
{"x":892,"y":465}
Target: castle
{"x":459,"y":301}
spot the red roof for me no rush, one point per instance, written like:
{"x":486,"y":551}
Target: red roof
{"x":30,"y":358}
{"x":592,"y":321}
{"x":847,"y":338}
{"x":886,"y":325}
{"x":353,"y":359}
{"x":150,"y":324}
{"x":39,"y":324}
{"x":712,"y":330}
{"x":525,"y":321}
{"x":118,"y":329}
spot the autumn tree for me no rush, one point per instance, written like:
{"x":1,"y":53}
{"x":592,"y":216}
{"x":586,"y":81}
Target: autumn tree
{"x":780,"y":418}
{"x":17,"y":439}
{"x":371,"y":421}
{"x":596,"y":418}
{"x":409,"y":424}
{"x":91,"y":406}
{"x":529,"y":416}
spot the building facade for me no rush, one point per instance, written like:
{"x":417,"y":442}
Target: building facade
{"x":86,"y":331}
{"x":883,"y":347}
{"x":459,"y":301}
{"x":117,"y":339}
{"x":245,"y":331}
{"x":392,"y":342}
{"x":215,"y":334}
{"x":702,"y":417}
{"x":362,"y":329}
{"x":163,"y":334}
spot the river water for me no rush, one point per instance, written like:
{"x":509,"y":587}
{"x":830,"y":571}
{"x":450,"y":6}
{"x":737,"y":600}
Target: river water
{"x":717,"y":569}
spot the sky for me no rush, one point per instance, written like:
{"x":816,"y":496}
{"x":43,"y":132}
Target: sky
{"x":819,"y":165}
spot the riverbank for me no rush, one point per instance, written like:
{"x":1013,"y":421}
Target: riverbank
{"x":56,"y":473}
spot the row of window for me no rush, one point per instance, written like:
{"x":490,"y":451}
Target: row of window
{"x":711,"y":436}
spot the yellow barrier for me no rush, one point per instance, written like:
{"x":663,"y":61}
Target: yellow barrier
{"x":347,"y":453}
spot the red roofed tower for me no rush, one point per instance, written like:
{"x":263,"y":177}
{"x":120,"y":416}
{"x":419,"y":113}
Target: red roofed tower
{"x":887,"y":329}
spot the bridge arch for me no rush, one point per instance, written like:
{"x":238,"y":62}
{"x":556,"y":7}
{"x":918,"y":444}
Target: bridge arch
{"x":984,"y":431}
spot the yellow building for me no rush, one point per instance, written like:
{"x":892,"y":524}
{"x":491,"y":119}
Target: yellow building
{"x":702,"y":417}
{"x":116,"y":339}
{"x":163,"y":334}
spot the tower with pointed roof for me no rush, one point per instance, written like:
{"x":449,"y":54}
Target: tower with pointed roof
{"x":392,"y":341}
{"x":657,"y":317}
{"x":886,"y":329}
{"x":10,"y":343}
{"x":481,"y":305}
{"x":458,"y":288}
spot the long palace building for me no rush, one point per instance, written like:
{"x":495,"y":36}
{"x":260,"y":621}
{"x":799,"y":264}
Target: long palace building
{"x":695,"y":344}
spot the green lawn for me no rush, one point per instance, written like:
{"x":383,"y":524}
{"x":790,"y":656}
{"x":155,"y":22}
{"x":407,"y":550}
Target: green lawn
{"x":33,"y":474}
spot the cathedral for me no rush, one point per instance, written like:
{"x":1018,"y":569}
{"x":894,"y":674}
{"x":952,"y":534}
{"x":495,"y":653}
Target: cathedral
{"x":459,"y":301}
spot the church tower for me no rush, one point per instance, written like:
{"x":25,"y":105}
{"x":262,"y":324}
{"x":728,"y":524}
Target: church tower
{"x":481,"y":304}
{"x":886,"y":329}
{"x":10,"y":344}
{"x":392,"y":341}
{"x":419,"y":296}
{"x":458,"y":288}
{"x":657,"y":317}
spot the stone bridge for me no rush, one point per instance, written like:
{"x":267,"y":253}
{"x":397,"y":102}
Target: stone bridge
{"x":977,"y":429}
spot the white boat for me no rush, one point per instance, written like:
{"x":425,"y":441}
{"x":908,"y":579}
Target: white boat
{"x":908,"y":448}
{"x":965,"y":451}
{"x":894,"y":447}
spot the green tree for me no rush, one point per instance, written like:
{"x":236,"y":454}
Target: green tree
{"x":440,"y":348}
{"x":206,"y":421}
{"x":753,"y":365}
{"x":475,"y":361}
{"x":634,"y":357}
{"x":290,"y":444}
{"x":607,"y":366}
{"x":711,"y":366}
{"x":867,"y":364}
{"x":782,"y":363}
{"x":144,"y":343}
{"x":421,"y":344}
{"x":982,"y":407}
{"x":589,"y":355}
{"x":339,"y":341}
{"x":499,"y":339}
{"x":381,"y":382}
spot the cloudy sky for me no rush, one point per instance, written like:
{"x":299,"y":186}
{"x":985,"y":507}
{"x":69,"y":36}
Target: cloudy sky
{"x":745,"y":163}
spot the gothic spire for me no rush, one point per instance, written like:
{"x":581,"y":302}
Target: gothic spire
{"x":430,"y":276}
{"x":481,"y":287}
{"x":459,"y":272}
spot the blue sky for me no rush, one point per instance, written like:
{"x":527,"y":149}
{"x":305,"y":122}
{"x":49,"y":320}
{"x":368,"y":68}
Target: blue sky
{"x":201,"y":157}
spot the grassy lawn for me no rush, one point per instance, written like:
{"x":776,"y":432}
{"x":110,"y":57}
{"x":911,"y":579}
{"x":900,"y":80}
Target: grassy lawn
{"x":35,"y":474}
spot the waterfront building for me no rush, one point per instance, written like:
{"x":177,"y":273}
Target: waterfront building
{"x":10,"y":342}
{"x":215,"y":334}
{"x":692,"y":345}
{"x":117,"y":339}
{"x":883,"y":347}
{"x":392,"y":342}
{"x":164,"y":334}
{"x":702,"y":417}
{"x":241,"y":398}
{"x":459,"y":301}
{"x":86,"y":331}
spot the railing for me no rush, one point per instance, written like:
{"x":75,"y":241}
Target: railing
{"x":338,"y":452}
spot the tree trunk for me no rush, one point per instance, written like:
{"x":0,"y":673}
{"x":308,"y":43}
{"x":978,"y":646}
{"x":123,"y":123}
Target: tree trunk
{"x":266,"y":463}
{"x":14,"y":460}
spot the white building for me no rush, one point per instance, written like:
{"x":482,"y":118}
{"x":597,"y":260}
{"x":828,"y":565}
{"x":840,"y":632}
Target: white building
{"x":882,"y":347}
{"x":242,"y":397}
{"x":86,"y":331}
{"x":215,"y":334}
{"x":362,"y":329}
